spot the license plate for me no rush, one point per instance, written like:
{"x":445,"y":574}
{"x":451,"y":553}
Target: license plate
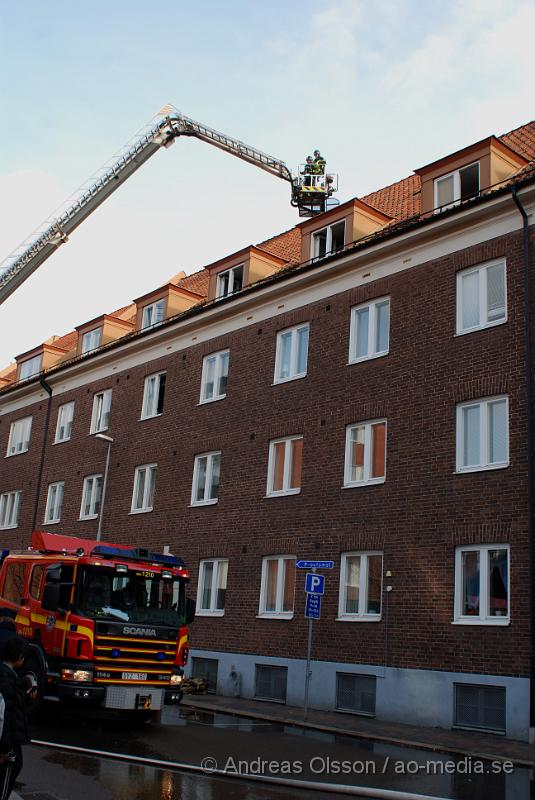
{"x":134,"y":676}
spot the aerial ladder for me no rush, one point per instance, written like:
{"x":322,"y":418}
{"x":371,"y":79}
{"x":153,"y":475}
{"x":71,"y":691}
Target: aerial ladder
{"x":309,"y":198}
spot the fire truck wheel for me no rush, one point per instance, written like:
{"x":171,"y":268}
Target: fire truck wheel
{"x":32,"y":673}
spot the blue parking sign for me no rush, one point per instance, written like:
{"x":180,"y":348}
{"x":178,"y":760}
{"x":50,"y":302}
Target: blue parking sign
{"x":314,"y":584}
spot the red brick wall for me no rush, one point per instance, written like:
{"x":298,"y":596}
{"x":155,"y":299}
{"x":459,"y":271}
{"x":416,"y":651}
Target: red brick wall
{"x":416,"y":517}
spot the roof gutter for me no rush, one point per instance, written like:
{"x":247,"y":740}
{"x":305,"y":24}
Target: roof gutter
{"x":529,"y":453}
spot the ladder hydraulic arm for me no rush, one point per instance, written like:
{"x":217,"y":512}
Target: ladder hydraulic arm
{"x":31,"y":253}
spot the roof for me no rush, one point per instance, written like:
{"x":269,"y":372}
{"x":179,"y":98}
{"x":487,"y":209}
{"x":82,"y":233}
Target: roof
{"x":197,"y":282}
{"x":401,"y":201}
{"x":285,"y":245}
{"x":522,"y":140}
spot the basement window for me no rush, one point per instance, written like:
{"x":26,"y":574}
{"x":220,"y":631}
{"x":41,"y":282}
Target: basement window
{"x":480,"y":707}
{"x":270,"y":682}
{"x":356,"y":693}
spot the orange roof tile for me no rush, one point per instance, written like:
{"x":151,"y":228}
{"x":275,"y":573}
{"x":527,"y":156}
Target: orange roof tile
{"x":522,"y":140}
{"x":196,"y":282}
{"x":285,"y":245}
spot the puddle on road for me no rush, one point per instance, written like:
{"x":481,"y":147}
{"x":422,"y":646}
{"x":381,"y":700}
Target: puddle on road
{"x":434,"y":773}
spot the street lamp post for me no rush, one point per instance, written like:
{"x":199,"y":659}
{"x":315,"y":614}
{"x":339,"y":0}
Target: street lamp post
{"x":104,"y":482}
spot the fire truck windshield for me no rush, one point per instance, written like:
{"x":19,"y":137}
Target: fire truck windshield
{"x":133,"y":596}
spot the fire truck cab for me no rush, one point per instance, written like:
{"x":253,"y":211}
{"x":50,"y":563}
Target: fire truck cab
{"x":106,"y":623}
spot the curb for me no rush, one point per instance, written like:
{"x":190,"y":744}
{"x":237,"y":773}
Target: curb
{"x":377,"y":737}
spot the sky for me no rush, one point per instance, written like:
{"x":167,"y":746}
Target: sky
{"x":382,"y":87}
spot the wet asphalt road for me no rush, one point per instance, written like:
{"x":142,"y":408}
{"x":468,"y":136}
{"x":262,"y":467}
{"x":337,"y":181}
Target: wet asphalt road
{"x":235,"y":744}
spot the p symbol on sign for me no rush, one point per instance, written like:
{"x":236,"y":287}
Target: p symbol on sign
{"x":314,"y":584}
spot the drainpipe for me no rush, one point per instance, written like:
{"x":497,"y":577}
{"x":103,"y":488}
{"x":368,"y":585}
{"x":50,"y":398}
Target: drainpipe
{"x":529,"y":433}
{"x":48,"y":389}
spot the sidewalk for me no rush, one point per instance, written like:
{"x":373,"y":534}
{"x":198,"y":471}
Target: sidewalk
{"x":464,"y":743}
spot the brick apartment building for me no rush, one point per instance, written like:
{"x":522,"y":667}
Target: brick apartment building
{"x":354,"y":389}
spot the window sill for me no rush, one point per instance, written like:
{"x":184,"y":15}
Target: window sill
{"x":52,"y":522}
{"x":102,"y":430}
{"x":205,"y":613}
{"x":20,"y":452}
{"x":367,"y":358}
{"x":372,"y":482}
{"x":141,"y":510}
{"x":211,"y":400}
{"x":356,"y":618}
{"x":9,"y":527}
{"x":286,"y":615}
{"x":283,"y":494}
{"x":487,"y":468}
{"x":204,"y":503}
{"x":84,"y":519}
{"x":481,"y":327}
{"x":491,"y":621}
{"x":289,"y":380}
{"x":152,"y":416}
{"x":62,"y":441}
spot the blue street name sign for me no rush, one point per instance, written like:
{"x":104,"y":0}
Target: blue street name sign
{"x":314,"y":564}
{"x":313,"y":606}
{"x":314,"y":584}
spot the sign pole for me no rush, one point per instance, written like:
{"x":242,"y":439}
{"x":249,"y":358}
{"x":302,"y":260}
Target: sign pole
{"x":308,"y":672}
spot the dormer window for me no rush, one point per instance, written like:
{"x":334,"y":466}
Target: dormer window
{"x":91,"y":340}
{"x":230,"y":281}
{"x":153,"y":314}
{"x":329,"y":239}
{"x":30,"y":367}
{"x":459,"y":185}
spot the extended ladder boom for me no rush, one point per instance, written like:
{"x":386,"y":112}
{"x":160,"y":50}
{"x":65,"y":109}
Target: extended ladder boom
{"x":31,"y":253}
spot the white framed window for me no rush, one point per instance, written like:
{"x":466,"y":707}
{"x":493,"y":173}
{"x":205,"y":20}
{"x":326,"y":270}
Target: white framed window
{"x":483,"y":434}
{"x":212,"y":587}
{"x":64,"y":423}
{"x":481,"y":297}
{"x":100,"y":418}
{"x":9,"y":509}
{"x":365,"y":456}
{"x":291,"y":355}
{"x":214,"y":376}
{"x":54,"y":502}
{"x":482,"y":584}
{"x":30,"y":367}
{"x":153,"y":395}
{"x":19,"y":436}
{"x":284,"y":466}
{"x":361,"y":577}
{"x":153,"y":314}
{"x":230,"y":281}
{"x":456,"y":186}
{"x":206,"y":474}
{"x":144,"y":488}
{"x":91,"y":340}
{"x":277,"y":588}
{"x":329,"y":239}
{"x":91,"y":496}
{"x":369,"y":331}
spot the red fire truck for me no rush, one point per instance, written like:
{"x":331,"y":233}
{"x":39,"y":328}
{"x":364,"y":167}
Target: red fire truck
{"x":106,"y":623}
